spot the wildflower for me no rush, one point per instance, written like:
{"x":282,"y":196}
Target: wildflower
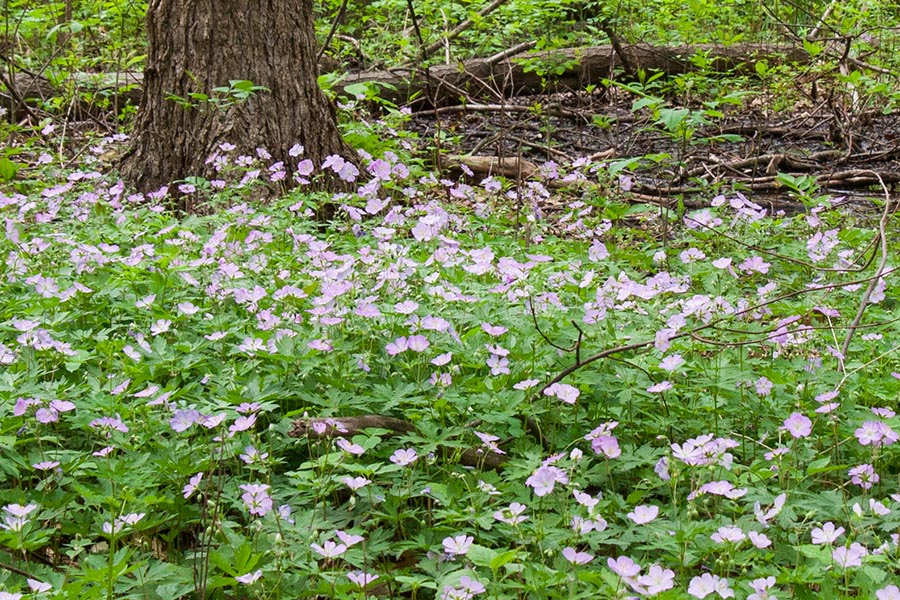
{"x":350,"y":447}
{"x":798,"y":425}
{"x":671,"y":362}
{"x":349,"y":539}
{"x":242,"y":423}
{"x":575,"y":557}
{"x":183,"y":419}
{"x":585,"y":500}
{"x":109,"y":424}
{"x":458,"y":545}
{"x":161,"y":326}
{"x":256,"y":498}
{"x":498,"y":365}
{"x":607,"y":445}
{"x":249,"y":578}
{"x":643,"y":514}
{"x":356,"y":483}
{"x":330,"y":549}
{"x":526,"y":384}
{"x":763,"y":386}
{"x":728,"y":534}
{"x":849,"y":557}
{"x":761,"y":588}
{"x":760,"y":540}
{"x":864,"y":476}
{"x":46,"y":465}
{"x":192,"y":485}
{"x":512,"y":515}
{"x":624,"y":567}
{"x":657,"y":580}
{"x":16,"y":516}
{"x":662,"y":386}
{"x":493,"y":330}
{"x":397,"y":346}
{"x":38,"y":587}
{"x":773,"y":512}
{"x":251,"y":455}
{"x":875,"y":433}
{"x":468,"y":588}
{"x":361,"y":578}
{"x":826,"y":534}
{"x":417,"y":343}
{"x":404,"y":457}
{"x":565,"y":392}
{"x":891,"y":592}
{"x":489,"y":441}
{"x":703,"y":585}
{"x":545,"y":478}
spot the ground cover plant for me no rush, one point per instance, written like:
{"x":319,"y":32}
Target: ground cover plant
{"x":677,"y":404}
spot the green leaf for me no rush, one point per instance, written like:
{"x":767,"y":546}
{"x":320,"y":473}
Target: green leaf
{"x":481,"y":556}
{"x":818,"y":466}
{"x":8,"y":169}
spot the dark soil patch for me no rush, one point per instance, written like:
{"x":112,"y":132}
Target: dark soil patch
{"x":847,"y":156}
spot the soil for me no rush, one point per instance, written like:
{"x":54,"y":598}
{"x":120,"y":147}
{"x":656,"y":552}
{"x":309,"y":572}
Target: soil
{"x":743,"y":150}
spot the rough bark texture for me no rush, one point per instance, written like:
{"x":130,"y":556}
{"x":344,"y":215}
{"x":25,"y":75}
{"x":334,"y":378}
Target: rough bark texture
{"x":197,"y":45}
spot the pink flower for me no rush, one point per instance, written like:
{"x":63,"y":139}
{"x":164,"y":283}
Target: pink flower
{"x":575,"y":557}
{"x":671,"y":362}
{"x":643,"y":514}
{"x":657,"y":580}
{"x":356,"y":483}
{"x":703,"y":585}
{"x":565,"y":392}
{"x":192,"y":485}
{"x":330,"y":549}
{"x":662,"y":386}
{"x":849,"y":557}
{"x":417,"y":343}
{"x":458,"y":545}
{"x":401,"y":344}
{"x":361,"y":578}
{"x":256,"y":498}
{"x":826,"y":534}
{"x":864,"y":476}
{"x":493,"y":330}
{"x":798,"y":425}
{"x":891,"y":592}
{"x":350,"y":447}
{"x":545,"y":478}
{"x":404,"y":457}
{"x":624,"y":567}
{"x":760,"y":540}
{"x":249,"y":578}
{"x":728,"y":534}
{"x":511,"y":515}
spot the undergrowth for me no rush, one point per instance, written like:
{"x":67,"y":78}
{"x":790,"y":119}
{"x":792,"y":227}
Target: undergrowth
{"x":580,"y":409}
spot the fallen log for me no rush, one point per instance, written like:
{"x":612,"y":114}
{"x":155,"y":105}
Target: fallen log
{"x":501,"y":76}
{"x":551,"y":70}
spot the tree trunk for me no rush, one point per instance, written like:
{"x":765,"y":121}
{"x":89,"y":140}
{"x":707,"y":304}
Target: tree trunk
{"x":198,"y":45}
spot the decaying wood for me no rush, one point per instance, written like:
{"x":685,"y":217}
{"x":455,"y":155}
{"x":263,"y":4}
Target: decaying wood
{"x":508,"y":166}
{"x":349,"y":426}
{"x":571,"y":68}
{"x":503,"y":75}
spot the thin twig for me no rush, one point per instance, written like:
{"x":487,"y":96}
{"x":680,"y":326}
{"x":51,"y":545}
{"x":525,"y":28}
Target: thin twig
{"x":878,"y":272}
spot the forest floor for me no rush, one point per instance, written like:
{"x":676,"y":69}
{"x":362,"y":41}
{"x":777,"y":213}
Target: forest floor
{"x":686,"y":151}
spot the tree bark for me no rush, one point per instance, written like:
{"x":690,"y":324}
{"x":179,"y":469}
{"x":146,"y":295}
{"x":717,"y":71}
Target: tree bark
{"x":198,"y":45}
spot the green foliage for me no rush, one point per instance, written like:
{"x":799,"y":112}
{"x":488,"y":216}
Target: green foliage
{"x":154,"y":365}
